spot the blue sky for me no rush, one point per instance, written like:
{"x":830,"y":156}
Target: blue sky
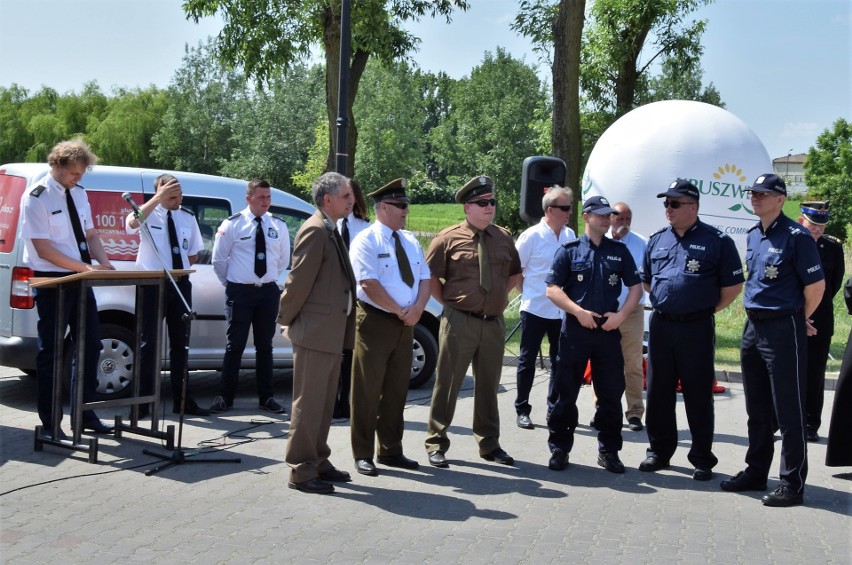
{"x":782,"y":66}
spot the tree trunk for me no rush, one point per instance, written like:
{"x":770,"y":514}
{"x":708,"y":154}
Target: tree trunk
{"x":566,"y":140}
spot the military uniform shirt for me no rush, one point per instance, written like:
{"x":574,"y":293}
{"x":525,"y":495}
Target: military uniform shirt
{"x":592,"y":275}
{"x":189,"y":237}
{"x":780,"y":261}
{"x":234,"y":249}
{"x":686,"y":273}
{"x":453,"y":256}
{"x":373,"y":256}
{"x":46,"y":217}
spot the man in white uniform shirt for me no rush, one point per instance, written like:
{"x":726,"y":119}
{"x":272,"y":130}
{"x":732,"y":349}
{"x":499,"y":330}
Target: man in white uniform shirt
{"x":60,"y":239}
{"x":177,"y":241}
{"x":251,"y":252}
{"x":393,"y":288}
{"x":539,"y":316}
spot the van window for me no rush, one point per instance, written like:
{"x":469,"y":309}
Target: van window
{"x":293,"y":218}
{"x":11,"y":191}
{"x":209,"y":213}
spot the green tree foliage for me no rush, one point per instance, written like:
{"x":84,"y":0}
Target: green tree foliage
{"x":273,"y":128}
{"x":391,"y":113}
{"x":266,"y":37}
{"x":15,"y":139}
{"x":828,"y":175}
{"x":124,"y":136}
{"x":491,"y":129}
{"x":198,"y":126}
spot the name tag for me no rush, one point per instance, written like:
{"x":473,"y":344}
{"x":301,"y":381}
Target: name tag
{"x":384,"y":255}
{"x":56,"y":212}
{"x":155,"y":227}
{"x":245,"y":238}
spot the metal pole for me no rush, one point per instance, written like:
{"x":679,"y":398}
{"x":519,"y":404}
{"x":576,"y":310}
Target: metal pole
{"x":343,"y":88}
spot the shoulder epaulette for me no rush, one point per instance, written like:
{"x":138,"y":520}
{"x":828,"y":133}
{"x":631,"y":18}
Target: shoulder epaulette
{"x":832,"y":239}
{"x":572,"y":243}
{"x":234,"y":216}
{"x":38,"y":190}
{"x":80,"y":186}
{"x":504,"y":231}
{"x":188,"y":211}
{"x":754,"y":227}
{"x":661,"y":230}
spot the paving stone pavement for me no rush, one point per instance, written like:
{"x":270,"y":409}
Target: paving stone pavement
{"x":58,"y":508}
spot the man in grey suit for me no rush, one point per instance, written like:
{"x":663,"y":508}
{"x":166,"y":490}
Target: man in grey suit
{"x":317,"y":310}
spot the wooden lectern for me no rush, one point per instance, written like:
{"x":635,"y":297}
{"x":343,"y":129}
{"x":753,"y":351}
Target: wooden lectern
{"x":76,"y":285}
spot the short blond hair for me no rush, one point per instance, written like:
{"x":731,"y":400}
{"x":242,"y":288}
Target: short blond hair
{"x":65,"y":153}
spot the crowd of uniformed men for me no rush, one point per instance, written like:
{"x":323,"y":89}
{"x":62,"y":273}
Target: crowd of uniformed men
{"x":356,"y":290}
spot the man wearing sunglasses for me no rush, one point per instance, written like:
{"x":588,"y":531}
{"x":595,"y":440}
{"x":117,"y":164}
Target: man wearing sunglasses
{"x":539,"y":316}
{"x":784,"y":287}
{"x":585,"y":281}
{"x":691,"y":270}
{"x":393,"y":288}
{"x":474,"y":265}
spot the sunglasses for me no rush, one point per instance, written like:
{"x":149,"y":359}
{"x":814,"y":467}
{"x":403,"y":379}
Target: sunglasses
{"x":484,"y":203}
{"x":563,"y":208}
{"x":674,"y":204}
{"x":400,"y":205}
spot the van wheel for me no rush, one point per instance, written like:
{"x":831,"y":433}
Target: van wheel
{"x":424,"y":356}
{"x":115,"y":368}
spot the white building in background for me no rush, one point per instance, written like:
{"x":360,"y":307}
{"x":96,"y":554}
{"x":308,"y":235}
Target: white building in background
{"x":791,"y":169}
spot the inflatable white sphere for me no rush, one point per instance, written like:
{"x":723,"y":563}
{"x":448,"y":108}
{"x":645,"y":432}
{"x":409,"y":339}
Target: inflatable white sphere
{"x":640,"y":154}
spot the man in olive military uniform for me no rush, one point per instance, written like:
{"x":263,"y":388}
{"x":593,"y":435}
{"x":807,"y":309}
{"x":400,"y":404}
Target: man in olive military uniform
{"x":474,"y":265}
{"x":814,"y":217}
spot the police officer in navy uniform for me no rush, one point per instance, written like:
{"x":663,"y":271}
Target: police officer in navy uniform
{"x":585,"y":281}
{"x":785,"y":284}
{"x":691,"y":270}
{"x":814,"y":217}
{"x":250,"y":253}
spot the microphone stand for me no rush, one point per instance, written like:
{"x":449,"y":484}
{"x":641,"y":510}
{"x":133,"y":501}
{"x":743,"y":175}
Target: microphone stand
{"x":178,"y":455}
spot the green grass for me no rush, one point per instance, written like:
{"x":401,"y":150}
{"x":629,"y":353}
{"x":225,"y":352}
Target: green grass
{"x":432,"y":218}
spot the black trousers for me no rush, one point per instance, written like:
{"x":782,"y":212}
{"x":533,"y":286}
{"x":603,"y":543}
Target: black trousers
{"x":533,"y":330}
{"x":774,"y":361}
{"x":178,"y":331}
{"x":818,"y":348}
{"x":685,"y":351}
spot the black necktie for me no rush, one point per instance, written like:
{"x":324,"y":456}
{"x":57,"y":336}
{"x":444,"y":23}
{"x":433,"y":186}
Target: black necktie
{"x":78,"y":229}
{"x":259,"y":250}
{"x":402,"y":261}
{"x":177,"y":262}
{"x":345,"y":232}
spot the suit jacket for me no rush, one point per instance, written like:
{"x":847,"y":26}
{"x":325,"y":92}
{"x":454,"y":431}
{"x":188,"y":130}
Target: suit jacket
{"x":319,"y":290}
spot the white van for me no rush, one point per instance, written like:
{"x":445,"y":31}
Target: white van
{"x":211,"y":199}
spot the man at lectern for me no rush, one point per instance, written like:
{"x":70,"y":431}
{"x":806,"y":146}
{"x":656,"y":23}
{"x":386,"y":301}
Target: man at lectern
{"x":177,"y":240}
{"x":61,"y":239}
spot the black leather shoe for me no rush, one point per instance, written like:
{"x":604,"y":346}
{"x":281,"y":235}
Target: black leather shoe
{"x":700,"y":474}
{"x":366,"y":467}
{"x":783,"y":496}
{"x":335,"y":476}
{"x":314,"y":486}
{"x":525,"y":422}
{"x":813,"y":436}
{"x":558,"y":460}
{"x":437,"y":459}
{"x":653,"y":463}
{"x":191,"y":408}
{"x":499,"y":456}
{"x":400,"y":461}
{"x":610,"y":462}
{"x":97,"y":427}
{"x":634,"y":424}
{"x":742,"y":481}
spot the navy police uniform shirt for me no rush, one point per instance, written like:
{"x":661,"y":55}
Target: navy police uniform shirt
{"x":781,"y":261}
{"x":592,"y":275}
{"x":686,"y":273}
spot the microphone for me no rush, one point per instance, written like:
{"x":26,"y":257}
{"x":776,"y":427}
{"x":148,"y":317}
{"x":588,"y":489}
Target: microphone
{"x":136,"y":211}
